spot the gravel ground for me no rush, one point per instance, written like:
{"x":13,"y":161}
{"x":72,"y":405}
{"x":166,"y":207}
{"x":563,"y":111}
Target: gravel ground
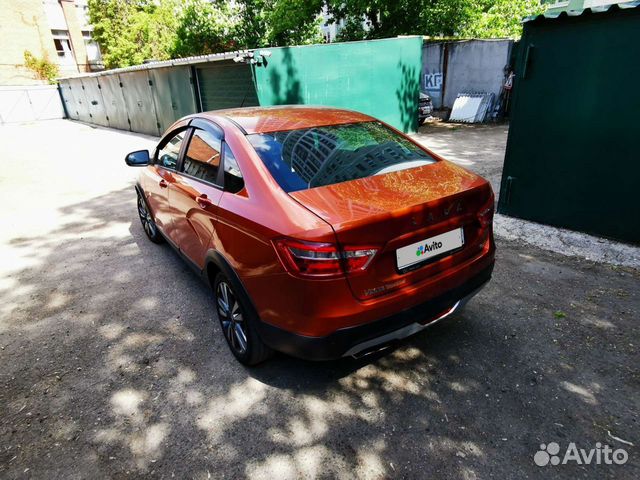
{"x":113,"y":365}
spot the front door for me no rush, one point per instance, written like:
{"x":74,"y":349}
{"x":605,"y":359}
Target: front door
{"x":160,"y":176}
{"x":195,"y":194}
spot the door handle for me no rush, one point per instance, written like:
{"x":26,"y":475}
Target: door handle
{"x":163,"y":183}
{"x":204,"y":201}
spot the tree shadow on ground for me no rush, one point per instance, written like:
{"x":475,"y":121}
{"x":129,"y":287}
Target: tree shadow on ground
{"x":114,"y":365}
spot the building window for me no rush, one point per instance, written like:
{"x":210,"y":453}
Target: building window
{"x":94,"y":58}
{"x":55,"y":15}
{"x":63,"y":47}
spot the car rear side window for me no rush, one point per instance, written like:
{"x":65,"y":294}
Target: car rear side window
{"x":170,"y":150}
{"x":233,"y":181}
{"x":318,"y":156}
{"x":202,"y":159}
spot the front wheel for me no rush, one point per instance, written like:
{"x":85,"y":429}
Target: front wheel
{"x":148,"y":224}
{"x":238,"y":324}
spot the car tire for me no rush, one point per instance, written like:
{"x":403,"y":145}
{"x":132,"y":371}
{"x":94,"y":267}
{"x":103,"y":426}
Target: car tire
{"x":238,"y":323}
{"x":148,"y":224}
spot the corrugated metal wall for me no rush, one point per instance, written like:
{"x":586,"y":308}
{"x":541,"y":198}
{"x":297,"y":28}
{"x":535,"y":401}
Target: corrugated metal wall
{"x":144,"y":101}
{"x":380,"y":78}
{"x":572,"y":151}
{"x":432,"y":82}
{"x":226,"y":84}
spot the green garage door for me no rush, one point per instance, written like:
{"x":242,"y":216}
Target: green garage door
{"x":226,"y":84}
{"x":572,"y":152}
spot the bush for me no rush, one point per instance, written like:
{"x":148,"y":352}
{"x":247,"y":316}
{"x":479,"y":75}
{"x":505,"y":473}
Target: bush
{"x":43,"y":68}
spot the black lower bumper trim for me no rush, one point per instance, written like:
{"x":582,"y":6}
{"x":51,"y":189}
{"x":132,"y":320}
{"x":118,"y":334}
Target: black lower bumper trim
{"x":337,"y":343}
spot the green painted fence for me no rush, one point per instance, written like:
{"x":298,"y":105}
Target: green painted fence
{"x":378,"y":77}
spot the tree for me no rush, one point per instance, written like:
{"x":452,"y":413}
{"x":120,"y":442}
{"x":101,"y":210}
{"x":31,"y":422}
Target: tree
{"x":389,"y":18}
{"x":132,"y":31}
{"x":502,"y":18}
{"x":448,"y":18}
{"x":294,"y":22}
{"x":204,"y":28}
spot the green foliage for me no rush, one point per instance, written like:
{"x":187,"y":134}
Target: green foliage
{"x":352,"y":30}
{"x":294,"y":22}
{"x":43,"y":68}
{"x":389,"y":18}
{"x":501,"y":18}
{"x":447,"y":18}
{"x":251,"y":23}
{"x":204,"y":28}
{"x":132,"y":31}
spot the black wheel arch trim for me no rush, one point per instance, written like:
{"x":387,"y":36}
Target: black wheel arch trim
{"x":214,"y":257}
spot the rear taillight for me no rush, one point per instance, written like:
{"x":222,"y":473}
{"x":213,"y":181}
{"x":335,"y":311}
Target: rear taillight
{"x":485,"y":214}
{"x":313,"y":259}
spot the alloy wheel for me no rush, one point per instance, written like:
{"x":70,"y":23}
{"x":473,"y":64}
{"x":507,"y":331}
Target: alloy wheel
{"x":145,"y":218}
{"x":231,"y":318}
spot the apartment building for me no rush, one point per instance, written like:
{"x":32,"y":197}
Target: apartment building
{"x":56,"y":29}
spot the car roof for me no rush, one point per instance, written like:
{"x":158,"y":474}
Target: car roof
{"x":286,"y":117}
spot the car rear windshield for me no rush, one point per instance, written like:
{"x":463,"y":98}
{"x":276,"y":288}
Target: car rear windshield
{"x":318,"y":156}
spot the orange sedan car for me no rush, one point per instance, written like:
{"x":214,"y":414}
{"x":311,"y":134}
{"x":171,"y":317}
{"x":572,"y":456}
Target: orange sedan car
{"x":323,"y":232}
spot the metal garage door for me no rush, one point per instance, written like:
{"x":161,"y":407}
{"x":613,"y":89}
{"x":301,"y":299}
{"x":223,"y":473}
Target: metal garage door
{"x":138,"y":98}
{"x":79,"y":100}
{"x":67,"y":98}
{"x":115,"y":108}
{"x":572,"y":152}
{"x":173,"y":94}
{"x":95,"y":104}
{"x":226,"y":84}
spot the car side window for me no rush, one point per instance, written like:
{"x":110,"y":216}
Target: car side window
{"x":202,"y":159}
{"x":233,"y":181}
{"x":169,"y":151}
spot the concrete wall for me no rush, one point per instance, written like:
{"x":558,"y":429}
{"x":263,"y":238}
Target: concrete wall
{"x":24,"y":25}
{"x":463,"y":66}
{"x":432,"y":79}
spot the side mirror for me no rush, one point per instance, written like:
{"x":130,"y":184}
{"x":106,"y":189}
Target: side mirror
{"x":139,"y":158}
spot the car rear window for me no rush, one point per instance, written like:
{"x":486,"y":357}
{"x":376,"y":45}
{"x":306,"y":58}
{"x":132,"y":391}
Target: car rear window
{"x":318,"y":156}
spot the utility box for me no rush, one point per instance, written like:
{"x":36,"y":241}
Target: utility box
{"x":573,"y":151}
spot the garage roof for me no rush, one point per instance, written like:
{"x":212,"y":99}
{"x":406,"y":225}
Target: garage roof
{"x":585,"y":11}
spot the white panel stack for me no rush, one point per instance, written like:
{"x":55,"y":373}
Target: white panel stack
{"x":471,"y":107}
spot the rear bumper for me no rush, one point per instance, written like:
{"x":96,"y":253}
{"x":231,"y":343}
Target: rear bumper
{"x":353,"y":340}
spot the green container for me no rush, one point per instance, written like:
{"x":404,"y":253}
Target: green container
{"x":573,"y":156}
{"x":378,"y":77}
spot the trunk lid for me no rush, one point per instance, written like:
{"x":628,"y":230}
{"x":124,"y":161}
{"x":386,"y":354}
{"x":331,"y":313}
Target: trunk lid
{"x":399,"y":209}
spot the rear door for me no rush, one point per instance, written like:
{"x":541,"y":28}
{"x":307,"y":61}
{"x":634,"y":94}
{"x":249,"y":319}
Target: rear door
{"x":196,"y":192}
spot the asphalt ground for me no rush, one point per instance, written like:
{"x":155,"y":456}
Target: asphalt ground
{"x":114,"y":366}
